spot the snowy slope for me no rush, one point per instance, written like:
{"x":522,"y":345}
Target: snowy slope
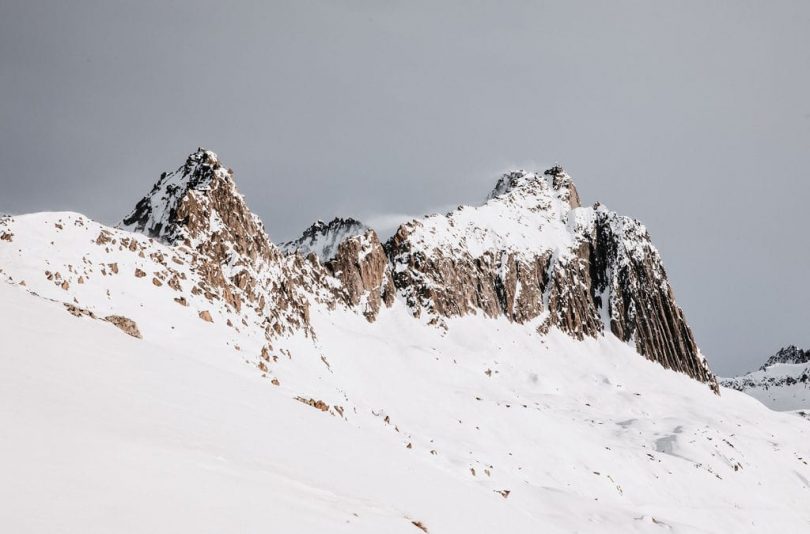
{"x":108,"y":432}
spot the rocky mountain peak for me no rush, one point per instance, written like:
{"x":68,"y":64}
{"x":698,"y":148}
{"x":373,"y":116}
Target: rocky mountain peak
{"x":790,"y":355}
{"x":323,"y":239}
{"x":198,"y":205}
{"x":198,"y":209}
{"x":520,"y":187}
{"x":532,"y":254}
{"x":157,"y":214}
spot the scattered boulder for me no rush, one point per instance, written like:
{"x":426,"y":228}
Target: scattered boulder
{"x":319,"y":404}
{"x":76,"y":311}
{"x":125,"y":324}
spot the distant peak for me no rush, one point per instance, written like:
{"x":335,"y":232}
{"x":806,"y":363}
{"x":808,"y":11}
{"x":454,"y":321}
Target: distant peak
{"x":323,"y":238}
{"x":790,"y":354}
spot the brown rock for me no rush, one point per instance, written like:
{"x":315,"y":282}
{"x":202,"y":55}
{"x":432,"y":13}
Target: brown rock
{"x":79,"y":312}
{"x":139,"y":273}
{"x":419,"y":525}
{"x":125,"y":324}
{"x":319,"y":404}
{"x":362,"y":266}
{"x":206,"y":316}
{"x":600,"y":279}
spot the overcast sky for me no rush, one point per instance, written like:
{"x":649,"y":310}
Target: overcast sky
{"x":691,"y":116}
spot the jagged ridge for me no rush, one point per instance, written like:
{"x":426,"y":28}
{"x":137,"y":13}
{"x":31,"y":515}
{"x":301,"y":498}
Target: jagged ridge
{"x":530,"y":253}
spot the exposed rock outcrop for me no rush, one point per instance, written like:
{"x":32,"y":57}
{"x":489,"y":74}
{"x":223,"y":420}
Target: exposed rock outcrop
{"x":351,"y":253}
{"x":532,"y":253}
{"x":125,"y":324}
{"x":361,"y":265}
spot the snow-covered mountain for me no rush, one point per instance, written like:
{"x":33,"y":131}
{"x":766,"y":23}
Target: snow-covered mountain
{"x":518,"y":366}
{"x":782,"y":383}
{"x":532,"y":254}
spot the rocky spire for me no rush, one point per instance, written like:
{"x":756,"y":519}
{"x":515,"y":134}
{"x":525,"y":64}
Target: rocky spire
{"x":199,"y":206}
{"x":198,"y":209}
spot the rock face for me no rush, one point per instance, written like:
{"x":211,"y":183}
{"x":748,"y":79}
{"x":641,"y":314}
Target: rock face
{"x":352,"y":253}
{"x":361,"y":265}
{"x":532,"y":253}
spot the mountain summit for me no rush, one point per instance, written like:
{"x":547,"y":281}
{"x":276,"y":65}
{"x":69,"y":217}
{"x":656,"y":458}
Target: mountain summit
{"x":198,"y":205}
{"x":533,"y":254}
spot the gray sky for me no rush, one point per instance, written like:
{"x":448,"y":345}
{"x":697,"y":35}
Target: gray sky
{"x":691,"y":116}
